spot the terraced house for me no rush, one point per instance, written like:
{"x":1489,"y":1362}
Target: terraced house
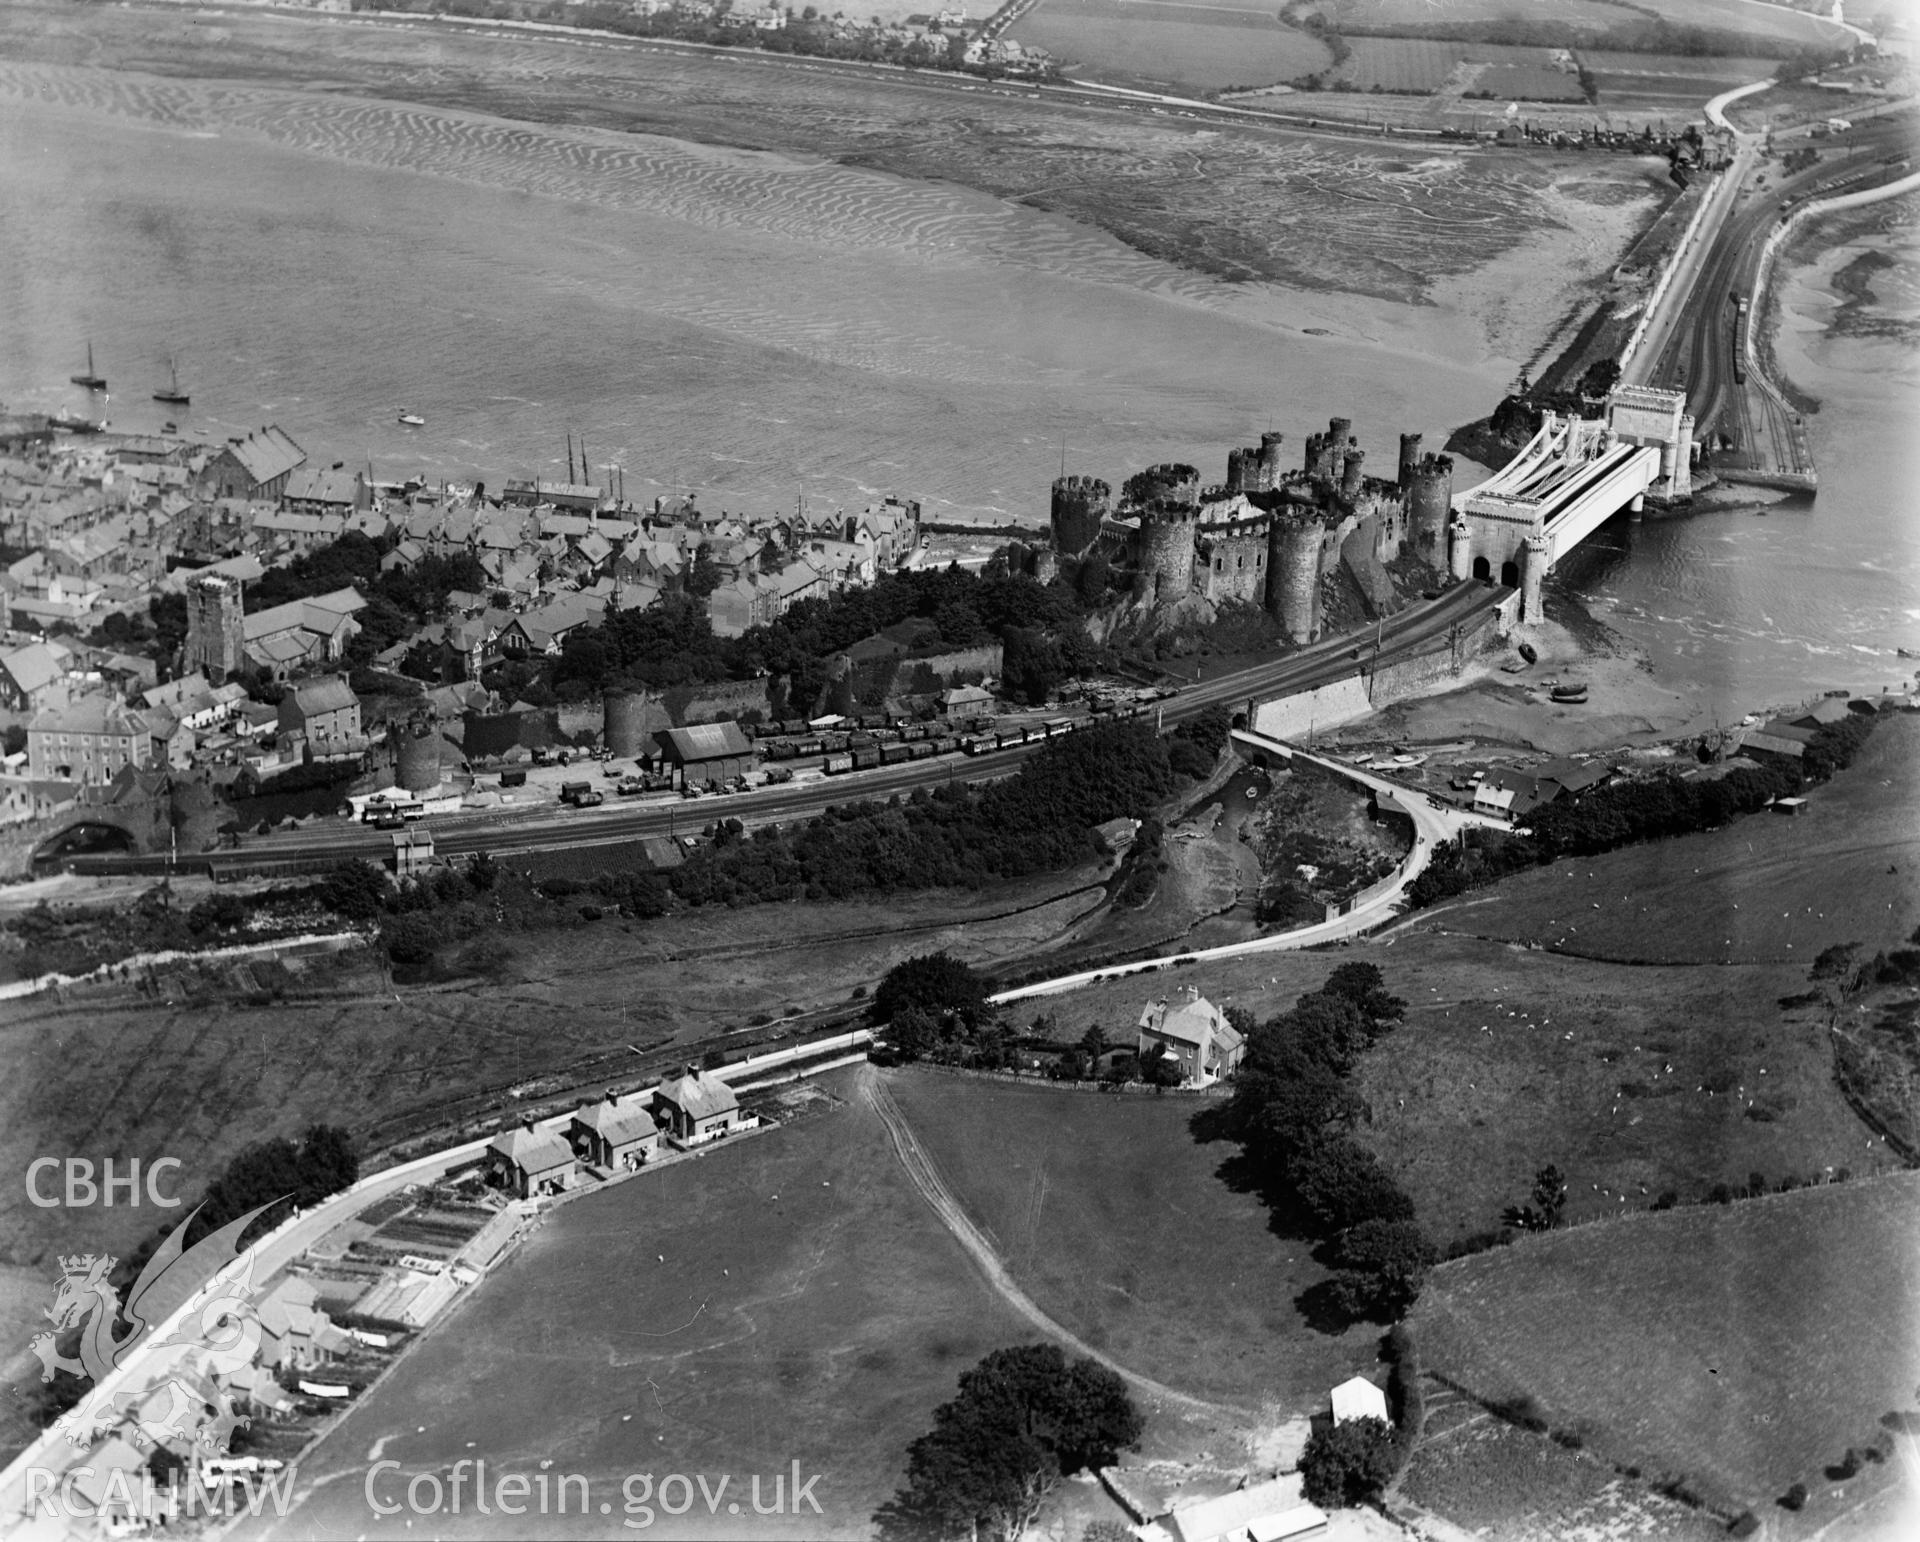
{"x":90,"y":741}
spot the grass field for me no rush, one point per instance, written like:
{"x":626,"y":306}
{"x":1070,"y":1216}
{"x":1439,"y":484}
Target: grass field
{"x":1192,"y":47}
{"x":1762,"y":889}
{"x":1116,"y":1223}
{"x":1745,"y":1347}
{"x":1632,"y":1081}
{"x":1755,"y":20}
{"x":1538,"y":82}
{"x":1417,"y":13}
{"x":1463,"y":1116}
{"x":788,"y":1298}
{"x":1495,"y":1479}
{"x":1668,"y":80}
{"x":205,"y":1077}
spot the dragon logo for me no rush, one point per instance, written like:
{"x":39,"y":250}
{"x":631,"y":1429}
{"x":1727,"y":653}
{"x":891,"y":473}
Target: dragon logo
{"x":181,"y":1396}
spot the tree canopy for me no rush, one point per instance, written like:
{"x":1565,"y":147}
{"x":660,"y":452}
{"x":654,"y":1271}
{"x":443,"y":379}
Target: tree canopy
{"x":935,"y":984}
{"x":1347,"y":1464}
{"x":1024,"y":1417}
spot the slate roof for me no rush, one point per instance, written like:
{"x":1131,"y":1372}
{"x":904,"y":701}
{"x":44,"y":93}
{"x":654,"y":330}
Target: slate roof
{"x":317,"y":613}
{"x":328,"y":693}
{"x":619,"y":1123}
{"x":178,"y":693}
{"x":704,"y":741}
{"x":266,"y":453}
{"x":533,"y":1151}
{"x":698,"y":1096}
{"x":1828,"y":709}
{"x":310,"y":485}
{"x":33,"y":667}
{"x":90,"y":715}
{"x":1197,"y":1022}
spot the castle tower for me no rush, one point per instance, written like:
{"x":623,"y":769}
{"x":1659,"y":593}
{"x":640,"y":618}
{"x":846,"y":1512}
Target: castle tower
{"x":1237,"y":469}
{"x":1172,"y":483}
{"x":1409,"y":459}
{"x":1270,"y":469}
{"x":1351,"y":473}
{"x":215,"y":638}
{"x":1319,"y":458}
{"x":1460,"y":551}
{"x":1080,"y":504}
{"x":1339,"y":437}
{"x":1293,"y":574}
{"x":1429,"y":509}
{"x":1533,"y":574}
{"x":1166,"y":550}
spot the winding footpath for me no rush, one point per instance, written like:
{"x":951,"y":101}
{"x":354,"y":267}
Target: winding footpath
{"x":933,"y":1189}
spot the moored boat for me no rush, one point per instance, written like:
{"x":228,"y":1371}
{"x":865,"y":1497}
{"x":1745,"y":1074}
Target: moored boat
{"x":173,"y":395}
{"x":91,"y":380}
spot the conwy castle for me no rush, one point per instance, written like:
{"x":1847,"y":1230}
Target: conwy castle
{"x":1271,"y":537}
{"x":1265,"y":537}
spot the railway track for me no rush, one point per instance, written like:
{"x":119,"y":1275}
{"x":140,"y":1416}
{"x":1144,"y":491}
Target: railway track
{"x":1411,"y":633}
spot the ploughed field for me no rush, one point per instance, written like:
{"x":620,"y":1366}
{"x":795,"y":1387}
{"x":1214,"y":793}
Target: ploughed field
{"x":1740,"y":1348}
{"x":1242,"y":204}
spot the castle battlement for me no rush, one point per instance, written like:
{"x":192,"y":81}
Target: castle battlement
{"x":1265,"y":533}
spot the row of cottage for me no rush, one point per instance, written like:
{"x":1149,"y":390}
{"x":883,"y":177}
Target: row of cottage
{"x":614,"y":1135}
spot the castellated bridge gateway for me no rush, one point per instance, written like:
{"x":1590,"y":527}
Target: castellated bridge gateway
{"x":1287,"y":537}
{"x":1572,"y":477}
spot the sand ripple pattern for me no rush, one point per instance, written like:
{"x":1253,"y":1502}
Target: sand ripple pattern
{"x":818,"y":203}
{"x":912,"y":230}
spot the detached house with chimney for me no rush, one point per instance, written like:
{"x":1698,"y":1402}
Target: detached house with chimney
{"x":1196,"y":1036}
{"x":528,"y":1162}
{"x":322,"y":711}
{"x":697,"y":1106}
{"x":615,"y":1134}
